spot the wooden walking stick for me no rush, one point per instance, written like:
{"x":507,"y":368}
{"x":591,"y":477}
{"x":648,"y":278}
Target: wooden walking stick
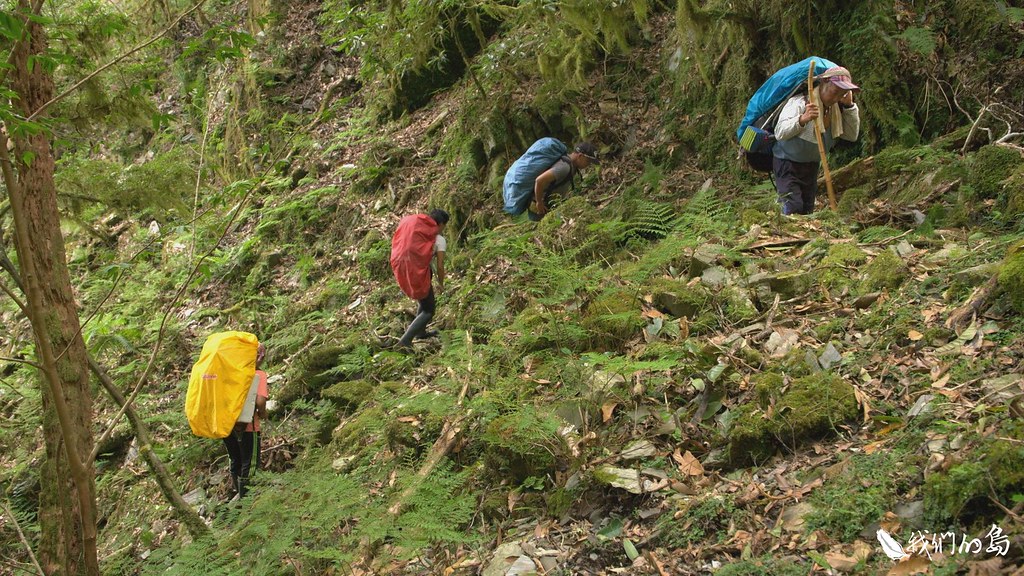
{"x":819,"y":125}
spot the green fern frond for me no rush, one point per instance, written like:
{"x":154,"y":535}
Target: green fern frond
{"x":651,"y":220}
{"x":706,"y":216}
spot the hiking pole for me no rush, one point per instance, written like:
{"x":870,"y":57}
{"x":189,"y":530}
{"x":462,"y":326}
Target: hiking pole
{"x":820,"y":123}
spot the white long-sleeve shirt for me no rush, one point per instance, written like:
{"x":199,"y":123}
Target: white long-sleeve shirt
{"x":798,"y":143}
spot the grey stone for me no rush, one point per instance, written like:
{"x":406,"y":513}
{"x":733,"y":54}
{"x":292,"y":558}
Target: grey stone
{"x":922,"y":406}
{"x":715,"y":277}
{"x":904,"y":249}
{"x":506,"y":557}
{"x":912,"y":512}
{"x":977,"y":274}
{"x":786,"y":284}
{"x":1004,"y":389}
{"x":675,"y":305}
{"x":830,"y":357}
{"x":195,"y":497}
{"x":811,"y":359}
{"x":952,"y":250}
{"x":704,"y":257}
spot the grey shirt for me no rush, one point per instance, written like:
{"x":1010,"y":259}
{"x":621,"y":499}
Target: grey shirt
{"x":563,"y":174}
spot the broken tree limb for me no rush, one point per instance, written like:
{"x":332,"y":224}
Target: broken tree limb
{"x":854,"y":174}
{"x":974,"y":305}
{"x":195,"y":525}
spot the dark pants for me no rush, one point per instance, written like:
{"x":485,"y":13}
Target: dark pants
{"x":244,"y":451}
{"x":797,"y":183}
{"x":424,"y":314}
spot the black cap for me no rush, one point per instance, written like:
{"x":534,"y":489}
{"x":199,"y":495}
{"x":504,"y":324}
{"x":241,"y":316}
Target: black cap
{"x":588,"y":150}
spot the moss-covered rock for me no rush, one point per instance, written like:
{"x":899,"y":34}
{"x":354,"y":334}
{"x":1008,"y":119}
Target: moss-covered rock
{"x":348,"y":394}
{"x":837,"y":264}
{"x":678,"y":298}
{"x":374,"y":256}
{"x":853,"y":199}
{"x":989,"y":167}
{"x":788,"y":284}
{"x":885,"y":271}
{"x":785,"y":418}
{"x":411,"y":430}
{"x":750,"y":217}
{"x":612,"y":318}
{"x":1014,"y":195}
{"x":736,"y":305}
{"x":522,"y":444}
{"x":321,"y":367}
{"x":577,"y":227}
{"x":1011,"y":279}
{"x":536,"y":329}
{"x":962,"y":493}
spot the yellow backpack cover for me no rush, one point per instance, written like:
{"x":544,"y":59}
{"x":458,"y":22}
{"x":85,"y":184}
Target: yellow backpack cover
{"x":219,"y":383}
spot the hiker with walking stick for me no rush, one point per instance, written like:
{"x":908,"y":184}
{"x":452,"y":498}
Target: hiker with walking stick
{"x":828,"y":111}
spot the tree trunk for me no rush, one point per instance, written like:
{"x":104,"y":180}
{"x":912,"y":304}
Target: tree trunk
{"x":67,"y":506}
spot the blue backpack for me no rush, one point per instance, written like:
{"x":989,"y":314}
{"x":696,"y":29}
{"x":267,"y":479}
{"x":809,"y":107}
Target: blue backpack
{"x":520,"y":178}
{"x":756,"y":131}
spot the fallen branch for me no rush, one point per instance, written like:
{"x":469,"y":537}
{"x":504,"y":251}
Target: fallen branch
{"x":195,"y":525}
{"x":21,"y":536}
{"x":451,"y":431}
{"x":974,"y":305}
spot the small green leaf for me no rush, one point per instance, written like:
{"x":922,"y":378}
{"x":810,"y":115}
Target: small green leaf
{"x":611,"y":531}
{"x":28,"y":157}
{"x":630,"y":549}
{"x":716,"y":372}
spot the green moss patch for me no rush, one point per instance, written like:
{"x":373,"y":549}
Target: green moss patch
{"x":837,"y":263}
{"x":1011,"y":280}
{"x":885,"y":271}
{"x":349,"y":394}
{"x":993,"y":468}
{"x":859,"y":491}
{"x":613,"y":318}
{"x":786,"y":417}
{"x":522,"y":444}
{"x":989,"y":167}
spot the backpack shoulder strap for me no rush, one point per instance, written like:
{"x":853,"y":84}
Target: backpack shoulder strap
{"x":572,"y":172}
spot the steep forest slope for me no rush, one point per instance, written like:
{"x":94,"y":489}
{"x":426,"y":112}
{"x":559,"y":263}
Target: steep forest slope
{"x":662,"y":376}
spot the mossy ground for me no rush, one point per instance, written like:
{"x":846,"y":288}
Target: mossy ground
{"x":550,"y":357}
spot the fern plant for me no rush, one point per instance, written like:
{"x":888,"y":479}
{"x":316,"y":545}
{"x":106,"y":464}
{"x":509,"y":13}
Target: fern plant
{"x":706,"y":216}
{"x":651,"y":220}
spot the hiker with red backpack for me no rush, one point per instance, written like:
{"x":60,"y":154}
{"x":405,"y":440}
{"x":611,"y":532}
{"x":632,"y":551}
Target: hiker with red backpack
{"x":831,"y":111}
{"x":417,"y":249}
{"x":547,"y":166}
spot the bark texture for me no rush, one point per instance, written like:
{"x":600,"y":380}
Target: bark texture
{"x":67,"y":513}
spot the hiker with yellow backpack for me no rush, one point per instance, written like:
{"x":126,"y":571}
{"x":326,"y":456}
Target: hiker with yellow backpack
{"x":227,"y":397}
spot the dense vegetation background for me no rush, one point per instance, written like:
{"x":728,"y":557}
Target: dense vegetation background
{"x":663,"y":376}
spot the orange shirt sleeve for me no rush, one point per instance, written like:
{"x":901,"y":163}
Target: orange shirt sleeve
{"x":261,"y":388}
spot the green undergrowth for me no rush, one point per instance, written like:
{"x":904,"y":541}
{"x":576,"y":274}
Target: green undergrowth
{"x":288,"y":509}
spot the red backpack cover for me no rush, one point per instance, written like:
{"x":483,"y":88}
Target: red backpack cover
{"x":412,"y":247}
